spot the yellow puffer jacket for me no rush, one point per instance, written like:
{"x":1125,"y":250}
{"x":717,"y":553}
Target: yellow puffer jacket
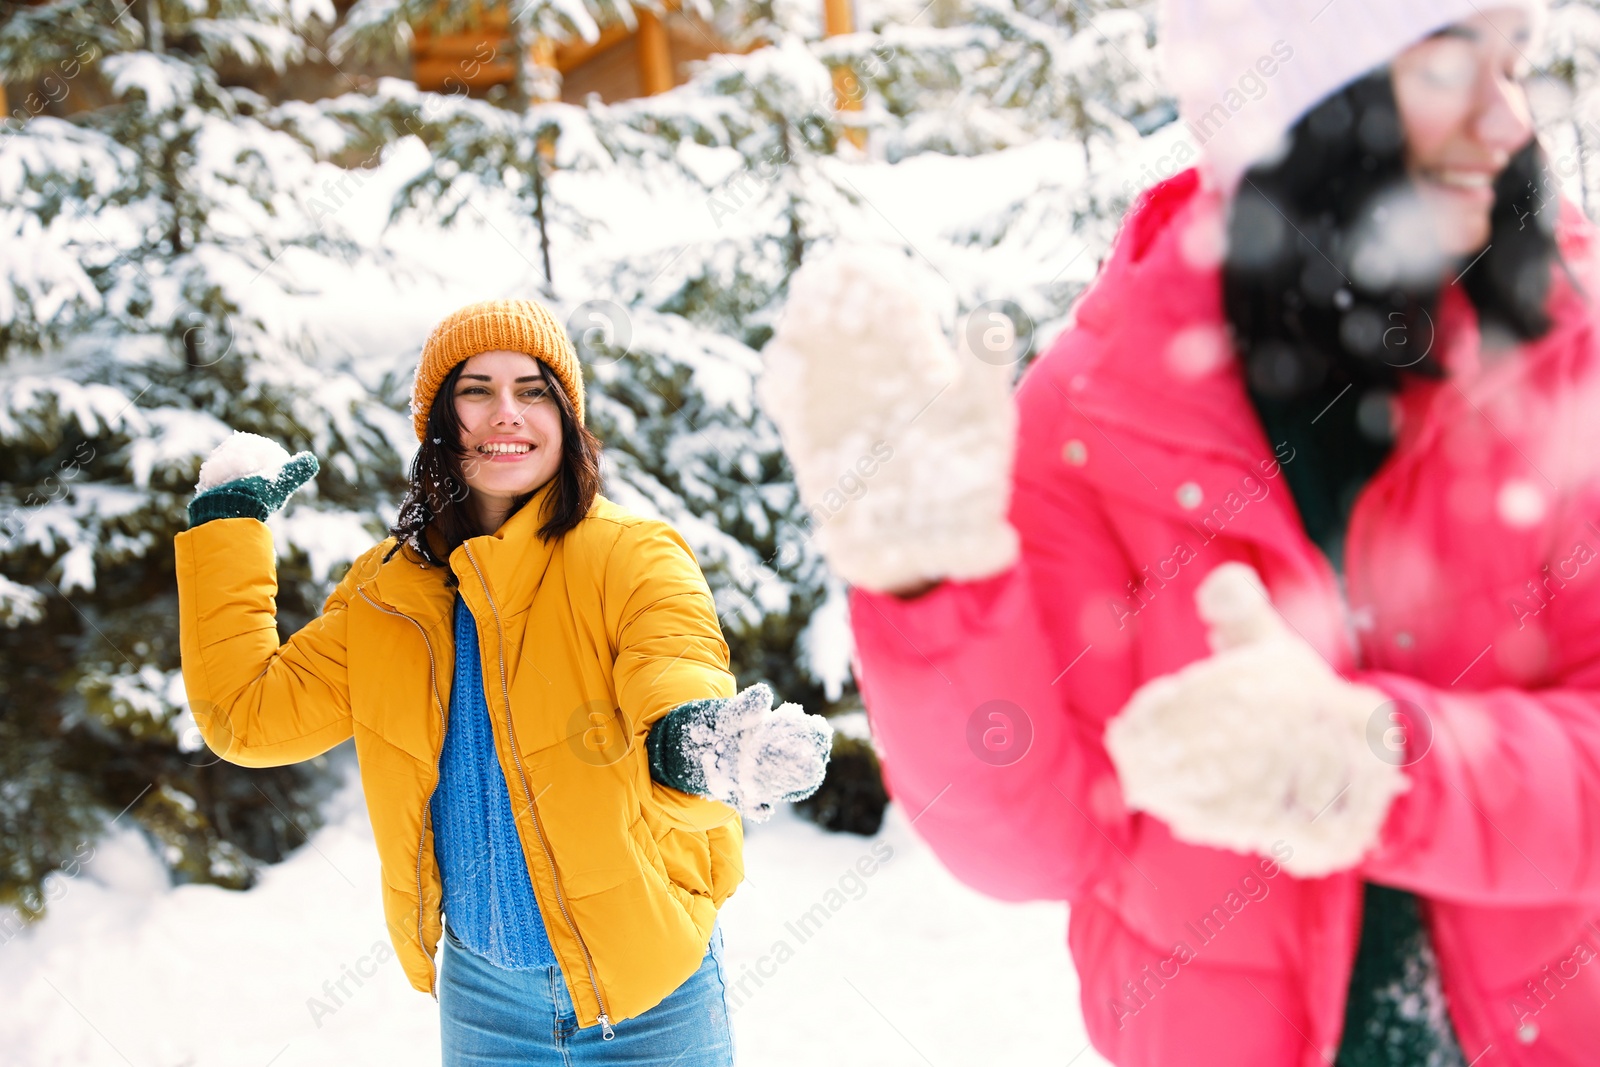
{"x":585,"y":643}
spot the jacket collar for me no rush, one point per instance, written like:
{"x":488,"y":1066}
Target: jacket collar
{"x":512,"y":562}
{"x":500,"y":572}
{"x":1164,"y":367}
{"x":1161,"y":365}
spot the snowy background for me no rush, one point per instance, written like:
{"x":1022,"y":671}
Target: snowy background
{"x":913,"y":969}
{"x":184,"y":251}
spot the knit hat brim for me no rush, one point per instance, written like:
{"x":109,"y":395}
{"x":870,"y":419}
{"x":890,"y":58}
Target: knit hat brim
{"x":492,"y":326}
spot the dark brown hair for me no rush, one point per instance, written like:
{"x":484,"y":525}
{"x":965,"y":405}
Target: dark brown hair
{"x":1297,"y":317}
{"x":434,"y":515}
{"x":1309,"y":327}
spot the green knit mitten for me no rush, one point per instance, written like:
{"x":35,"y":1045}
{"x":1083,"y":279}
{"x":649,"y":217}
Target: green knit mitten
{"x":248,"y":477}
{"x":740,"y":750}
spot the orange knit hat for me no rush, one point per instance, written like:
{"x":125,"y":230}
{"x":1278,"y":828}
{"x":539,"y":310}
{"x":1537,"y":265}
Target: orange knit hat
{"x":491,"y":326}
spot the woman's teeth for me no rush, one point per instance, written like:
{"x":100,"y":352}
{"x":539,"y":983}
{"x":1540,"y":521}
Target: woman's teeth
{"x":504,"y":449}
{"x":1464,"y":179}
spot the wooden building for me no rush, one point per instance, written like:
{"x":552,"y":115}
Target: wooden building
{"x":622,"y":63}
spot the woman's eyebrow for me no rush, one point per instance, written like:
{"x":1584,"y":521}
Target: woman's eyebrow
{"x":487,"y":378}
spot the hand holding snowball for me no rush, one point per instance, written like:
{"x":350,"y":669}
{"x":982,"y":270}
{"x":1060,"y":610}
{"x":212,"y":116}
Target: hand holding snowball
{"x":1259,"y":743}
{"x":248,"y":476}
{"x":742,"y":751}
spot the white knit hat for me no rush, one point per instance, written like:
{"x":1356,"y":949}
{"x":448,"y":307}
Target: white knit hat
{"x":1245,"y":71}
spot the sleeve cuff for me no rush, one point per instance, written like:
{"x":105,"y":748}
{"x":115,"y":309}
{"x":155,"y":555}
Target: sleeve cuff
{"x":224,"y":502}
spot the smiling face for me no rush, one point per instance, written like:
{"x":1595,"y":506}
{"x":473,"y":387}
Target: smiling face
{"x":1465,"y":113}
{"x":510,"y":427}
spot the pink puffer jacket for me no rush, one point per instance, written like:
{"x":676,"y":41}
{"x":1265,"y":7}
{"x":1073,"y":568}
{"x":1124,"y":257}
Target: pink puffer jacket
{"x":1473,"y":591}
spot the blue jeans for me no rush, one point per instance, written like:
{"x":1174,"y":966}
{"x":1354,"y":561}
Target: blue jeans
{"x":493,"y":1016}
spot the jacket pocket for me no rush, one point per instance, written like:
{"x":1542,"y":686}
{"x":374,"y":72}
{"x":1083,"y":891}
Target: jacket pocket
{"x":681,"y":857}
{"x":700,"y":840}
{"x":684,"y":811}
{"x":649,"y":851}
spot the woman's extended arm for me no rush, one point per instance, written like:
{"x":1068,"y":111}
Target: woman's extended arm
{"x":742,"y":751}
{"x":257,"y":703}
{"x":674,"y":685}
{"x":1494,"y":799}
{"x":669,"y":647}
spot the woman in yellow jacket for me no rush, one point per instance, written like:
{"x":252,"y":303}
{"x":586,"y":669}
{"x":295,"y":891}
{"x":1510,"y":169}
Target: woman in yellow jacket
{"x":550,"y":743}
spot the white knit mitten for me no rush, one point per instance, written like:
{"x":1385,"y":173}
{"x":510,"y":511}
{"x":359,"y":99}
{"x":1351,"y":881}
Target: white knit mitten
{"x":1260,"y":744}
{"x":901,"y":446}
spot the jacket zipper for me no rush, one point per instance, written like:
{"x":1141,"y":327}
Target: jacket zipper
{"x":422,"y":839}
{"x":533,"y":812}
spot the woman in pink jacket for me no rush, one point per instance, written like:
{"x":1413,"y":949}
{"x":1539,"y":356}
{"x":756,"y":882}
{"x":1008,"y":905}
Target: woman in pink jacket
{"x":1263,"y":623}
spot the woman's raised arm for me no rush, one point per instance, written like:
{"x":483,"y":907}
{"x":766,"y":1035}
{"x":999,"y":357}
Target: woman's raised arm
{"x":985,"y":696}
{"x":257,"y":703}
{"x":906,"y":450}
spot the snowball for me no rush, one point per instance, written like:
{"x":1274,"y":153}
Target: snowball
{"x":240,"y":456}
{"x":1198,"y":351}
{"x":790,"y":754}
{"x":1260,"y":744}
{"x":752,"y":755}
{"x":1520,"y":503}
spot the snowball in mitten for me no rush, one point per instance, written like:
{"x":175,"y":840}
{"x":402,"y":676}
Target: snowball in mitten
{"x":740,"y":750}
{"x":901,"y":445}
{"x":1260,"y":743}
{"x":240,"y":456}
{"x":248,"y":476}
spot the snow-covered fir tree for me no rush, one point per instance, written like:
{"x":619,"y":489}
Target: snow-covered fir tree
{"x":667,"y":339}
{"x":1566,"y":96}
{"x":149,"y":304}
{"x":670,"y":332}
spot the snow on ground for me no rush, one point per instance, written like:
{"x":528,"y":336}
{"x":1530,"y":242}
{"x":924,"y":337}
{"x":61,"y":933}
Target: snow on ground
{"x":898,"y":963}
